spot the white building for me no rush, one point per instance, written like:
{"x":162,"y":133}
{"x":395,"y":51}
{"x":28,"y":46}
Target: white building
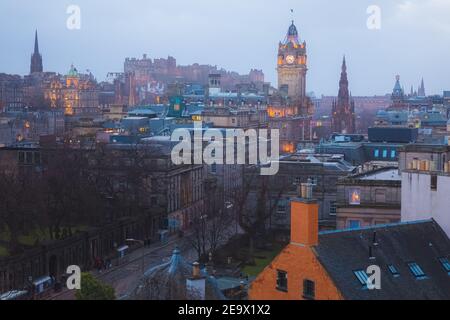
{"x":426,"y":195}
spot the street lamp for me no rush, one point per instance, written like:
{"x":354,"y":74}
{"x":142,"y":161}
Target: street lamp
{"x":143,"y":251}
{"x":229,"y":205}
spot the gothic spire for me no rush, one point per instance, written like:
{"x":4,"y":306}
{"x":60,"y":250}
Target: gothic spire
{"x":36,"y":58}
{"x":36,"y":43}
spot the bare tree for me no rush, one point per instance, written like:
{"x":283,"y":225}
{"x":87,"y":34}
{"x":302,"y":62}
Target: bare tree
{"x":254,"y":202}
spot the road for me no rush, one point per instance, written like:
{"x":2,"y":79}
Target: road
{"x":125,"y":278}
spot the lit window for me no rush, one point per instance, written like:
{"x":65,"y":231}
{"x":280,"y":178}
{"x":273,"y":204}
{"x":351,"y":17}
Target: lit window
{"x":445,"y":264}
{"x":393,"y":154}
{"x":354,"y":224}
{"x":282,"y":284}
{"x":362,"y":277}
{"x":417,"y":271}
{"x":355,"y":197}
{"x":393,"y":270}
{"x":385,"y":153}
{"x":309,"y":289}
{"x":376,"y":153}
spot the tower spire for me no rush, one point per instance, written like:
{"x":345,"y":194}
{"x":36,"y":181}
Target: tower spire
{"x":36,"y":43}
{"x":421,"y":92}
{"x":344,"y":65}
{"x":343,"y":113}
{"x":36,"y":58}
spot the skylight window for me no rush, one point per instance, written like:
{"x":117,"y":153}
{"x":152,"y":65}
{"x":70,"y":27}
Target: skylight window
{"x":445,"y":264}
{"x":417,"y":271}
{"x":393,"y":270}
{"x":362,"y":277}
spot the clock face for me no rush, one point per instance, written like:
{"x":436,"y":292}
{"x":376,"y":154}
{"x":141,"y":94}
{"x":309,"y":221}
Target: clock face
{"x":290,"y":59}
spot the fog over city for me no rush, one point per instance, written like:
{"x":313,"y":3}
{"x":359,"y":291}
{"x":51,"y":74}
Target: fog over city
{"x":238,"y":36}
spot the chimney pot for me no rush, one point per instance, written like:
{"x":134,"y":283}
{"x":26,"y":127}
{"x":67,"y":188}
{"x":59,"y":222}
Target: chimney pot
{"x":196,"y":270}
{"x":306,"y":190}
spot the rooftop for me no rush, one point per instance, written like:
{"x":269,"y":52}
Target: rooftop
{"x":383,"y":174}
{"x":345,"y":252}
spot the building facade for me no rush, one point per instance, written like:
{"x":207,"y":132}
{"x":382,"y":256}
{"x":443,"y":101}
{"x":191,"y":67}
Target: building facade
{"x":75,"y":93}
{"x":425,"y":189}
{"x":371,"y":198}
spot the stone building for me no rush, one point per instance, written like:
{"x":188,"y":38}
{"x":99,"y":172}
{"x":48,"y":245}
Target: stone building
{"x":323,"y":171}
{"x":75,"y":93}
{"x":370,"y":198}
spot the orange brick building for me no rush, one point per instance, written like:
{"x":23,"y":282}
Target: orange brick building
{"x":296,"y":273}
{"x":412,"y":260}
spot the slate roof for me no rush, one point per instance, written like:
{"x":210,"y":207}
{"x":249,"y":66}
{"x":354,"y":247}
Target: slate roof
{"x":168,"y":282}
{"x":343,"y":252}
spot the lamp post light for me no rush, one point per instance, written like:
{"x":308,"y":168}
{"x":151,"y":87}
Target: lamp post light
{"x":229,"y":206}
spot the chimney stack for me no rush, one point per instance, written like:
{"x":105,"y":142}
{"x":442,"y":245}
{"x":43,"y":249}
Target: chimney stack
{"x":196,"y":285}
{"x":305,"y":217}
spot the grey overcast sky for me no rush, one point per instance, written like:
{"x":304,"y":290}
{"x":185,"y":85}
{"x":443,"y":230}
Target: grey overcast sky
{"x":238,"y":35}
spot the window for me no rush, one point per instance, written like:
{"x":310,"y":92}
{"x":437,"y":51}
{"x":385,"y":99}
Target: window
{"x":282,"y":284}
{"x":28,"y":157}
{"x":309,"y":289}
{"x":445,"y":264}
{"x":393,"y":154}
{"x":355,"y":197}
{"x":380,"y":196}
{"x":434,"y":182}
{"x":281,"y":206}
{"x":313,"y":180}
{"x":354,"y":224}
{"x":393,"y":270}
{"x":362,"y":277}
{"x":385,"y":153}
{"x":333,"y":208}
{"x":21,"y":157}
{"x":417,"y":271}
{"x":376,"y":153}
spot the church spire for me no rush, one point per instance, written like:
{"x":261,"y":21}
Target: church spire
{"x":36,"y":43}
{"x":36,"y":58}
{"x":421,"y":91}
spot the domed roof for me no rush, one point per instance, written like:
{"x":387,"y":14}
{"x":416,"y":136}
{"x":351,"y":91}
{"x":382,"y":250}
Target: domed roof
{"x":292,"y":30}
{"x":398,"y":91}
{"x":73,"y":72}
{"x":292,"y":36}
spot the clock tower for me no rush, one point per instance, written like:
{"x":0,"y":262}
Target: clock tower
{"x":292,"y":60}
